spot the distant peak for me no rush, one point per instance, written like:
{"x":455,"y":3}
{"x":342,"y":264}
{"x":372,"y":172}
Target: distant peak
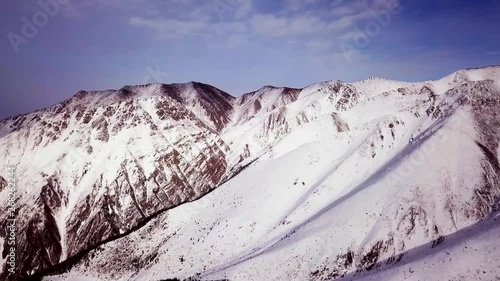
{"x":377,"y":78}
{"x":80,"y":94}
{"x":271,"y":87}
{"x":268,"y":87}
{"x":190,"y":83}
{"x":484,"y":67}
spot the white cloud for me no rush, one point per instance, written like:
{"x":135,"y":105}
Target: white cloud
{"x":354,"y":8}
{"x":273,"y":26}
{"x":316,"y":28}
{"x":171,"y":29}
{"x":78,"y":9}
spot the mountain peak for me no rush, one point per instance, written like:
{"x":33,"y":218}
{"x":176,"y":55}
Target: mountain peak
{"x":99,"y":166}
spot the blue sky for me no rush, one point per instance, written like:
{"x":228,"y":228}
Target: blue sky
{"x":236,"y":45}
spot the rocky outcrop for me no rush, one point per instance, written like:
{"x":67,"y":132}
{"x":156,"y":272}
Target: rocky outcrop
{"x":99,"y":166}
{"x":162,"y":140}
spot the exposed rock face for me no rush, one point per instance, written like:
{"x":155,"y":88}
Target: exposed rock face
{"x":471,"y":103}
{"x":101,"y":164}
{"x":265,"y":100}
{"x":3,"y":184}
{"x":485,"y":107}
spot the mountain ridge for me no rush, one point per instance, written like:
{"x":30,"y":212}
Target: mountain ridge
{"x":96,"y":172}
{"x":235,"y":97}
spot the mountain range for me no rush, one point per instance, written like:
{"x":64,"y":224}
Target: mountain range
{"x":370,"y":180}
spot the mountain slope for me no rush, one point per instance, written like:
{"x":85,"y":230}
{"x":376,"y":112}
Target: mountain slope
{"x":100,"y":163}
{"x":329,"y":181}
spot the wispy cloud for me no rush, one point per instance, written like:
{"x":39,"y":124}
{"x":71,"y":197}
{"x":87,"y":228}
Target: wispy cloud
{"x":282,"y":23}
{"x":291,"y":19}
{"x":242,"y":44}
{"x":273,"y":26}
{"x":173,"y":29}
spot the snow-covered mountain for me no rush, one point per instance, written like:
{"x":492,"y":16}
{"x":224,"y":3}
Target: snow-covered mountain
{"x":101,"y":163}
{"x":369,"y":180}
